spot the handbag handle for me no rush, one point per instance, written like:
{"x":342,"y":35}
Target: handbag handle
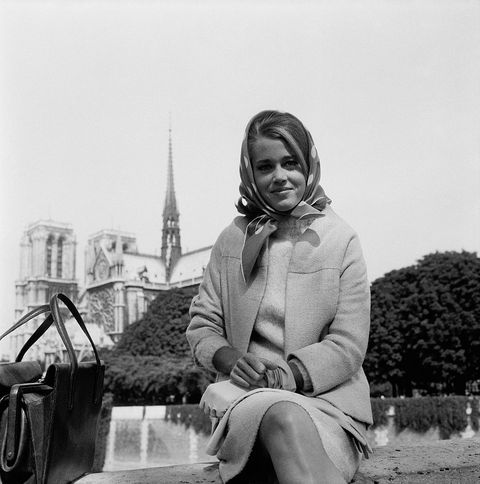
{"x":58,"y":320}
{"x":45,"y":308}
{"x":39,"y":332}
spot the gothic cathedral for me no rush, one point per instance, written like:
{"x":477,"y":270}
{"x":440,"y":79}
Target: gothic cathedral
{"x":120,"y":281}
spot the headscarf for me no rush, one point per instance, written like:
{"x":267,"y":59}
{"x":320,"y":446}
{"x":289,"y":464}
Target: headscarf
{"x":262,"y":226}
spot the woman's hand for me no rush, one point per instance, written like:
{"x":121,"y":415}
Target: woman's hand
{"x":249,"y":371}
{"x":246,"y":371}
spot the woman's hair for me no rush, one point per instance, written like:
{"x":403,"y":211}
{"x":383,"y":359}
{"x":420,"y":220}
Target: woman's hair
{"x":271,"y":124}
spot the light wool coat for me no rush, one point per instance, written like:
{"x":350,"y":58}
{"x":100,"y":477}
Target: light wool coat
{"x":327,"y":312}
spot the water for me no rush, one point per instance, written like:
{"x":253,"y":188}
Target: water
{"x":140,"y":437}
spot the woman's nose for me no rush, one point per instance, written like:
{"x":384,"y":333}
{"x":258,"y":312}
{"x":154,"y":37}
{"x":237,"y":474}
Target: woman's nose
{"x":279,"y":175}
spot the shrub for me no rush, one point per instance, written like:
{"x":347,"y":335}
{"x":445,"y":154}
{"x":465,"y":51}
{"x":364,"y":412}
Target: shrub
{"x":380,"y":407}
{"x":190,"y":416}
{"x":448,"y":414}
{"x":420,"y":414}
{"x":475,"y":415}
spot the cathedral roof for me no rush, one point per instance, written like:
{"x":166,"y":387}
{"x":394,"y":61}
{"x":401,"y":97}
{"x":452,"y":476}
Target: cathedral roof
{"x":137,"y":265}
{"x":190,"y":266}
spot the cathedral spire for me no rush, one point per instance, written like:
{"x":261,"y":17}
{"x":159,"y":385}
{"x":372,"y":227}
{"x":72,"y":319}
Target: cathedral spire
{"x":171,"y":246}
{"x":170,"y":207}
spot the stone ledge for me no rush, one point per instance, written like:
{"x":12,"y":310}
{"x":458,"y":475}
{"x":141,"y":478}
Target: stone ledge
{"x":442,"y":462}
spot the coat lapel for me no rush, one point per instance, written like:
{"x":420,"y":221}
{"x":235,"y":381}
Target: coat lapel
{"x":249,"y":303}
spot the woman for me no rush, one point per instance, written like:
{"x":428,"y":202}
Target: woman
{"x":284,"y":312}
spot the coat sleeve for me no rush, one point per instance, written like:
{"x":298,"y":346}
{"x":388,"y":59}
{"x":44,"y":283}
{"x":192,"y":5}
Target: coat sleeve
{"x":339,"y":356}
{"x":206,"y":331}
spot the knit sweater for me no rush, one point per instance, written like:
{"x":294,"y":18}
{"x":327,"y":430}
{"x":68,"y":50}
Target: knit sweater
{"x":268,"y":334}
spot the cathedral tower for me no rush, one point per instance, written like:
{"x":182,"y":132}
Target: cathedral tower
{"x":47,"y":266}
{"x":171,"y":245}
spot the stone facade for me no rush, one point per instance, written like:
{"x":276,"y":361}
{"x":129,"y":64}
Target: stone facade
{"x":47,"y":265}
{"x":121,"y":282}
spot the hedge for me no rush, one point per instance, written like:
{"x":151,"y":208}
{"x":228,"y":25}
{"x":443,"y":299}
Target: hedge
{"x":189,"y":415}
{"x":419,"y":414}
{"x":475,"y":415}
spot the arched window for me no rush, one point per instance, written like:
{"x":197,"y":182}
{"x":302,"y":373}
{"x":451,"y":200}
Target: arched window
{"x":59,"y":256}
{"x":49,"y":255}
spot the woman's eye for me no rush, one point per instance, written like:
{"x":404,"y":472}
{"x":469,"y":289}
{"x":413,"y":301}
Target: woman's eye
{"x":263,"y":167}
{"x":292,"y":163}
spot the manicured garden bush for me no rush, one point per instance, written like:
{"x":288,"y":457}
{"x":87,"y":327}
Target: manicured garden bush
{"x":380,"y":408}
{"x":190,"y":416}
{"x":448,"y":414}
{"x":475,"y":415}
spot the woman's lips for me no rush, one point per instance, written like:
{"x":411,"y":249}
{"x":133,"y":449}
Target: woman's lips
{"x":281,"y":190}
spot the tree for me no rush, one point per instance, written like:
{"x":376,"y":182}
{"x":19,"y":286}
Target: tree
{"x":425,"y":330}
{"x":153,"y":380}
{"x":152,"y":362}
{"x":161,"y":331}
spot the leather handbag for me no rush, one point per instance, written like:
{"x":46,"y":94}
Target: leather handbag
{"x":48,"y":423}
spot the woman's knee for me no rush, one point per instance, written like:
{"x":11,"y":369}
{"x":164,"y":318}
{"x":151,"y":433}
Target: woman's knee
{"x":285,"y":418}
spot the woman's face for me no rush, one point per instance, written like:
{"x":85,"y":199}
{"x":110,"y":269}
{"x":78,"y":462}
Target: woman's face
{"x":277,"y":174}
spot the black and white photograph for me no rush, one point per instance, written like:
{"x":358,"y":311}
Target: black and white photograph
{"x":239,"y":241}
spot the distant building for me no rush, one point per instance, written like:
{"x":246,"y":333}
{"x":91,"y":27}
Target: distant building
{"x":47,"y":265}
{"x":120,"y":281}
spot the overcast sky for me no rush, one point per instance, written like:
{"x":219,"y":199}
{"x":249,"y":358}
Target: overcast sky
{"x":390,"y":91}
